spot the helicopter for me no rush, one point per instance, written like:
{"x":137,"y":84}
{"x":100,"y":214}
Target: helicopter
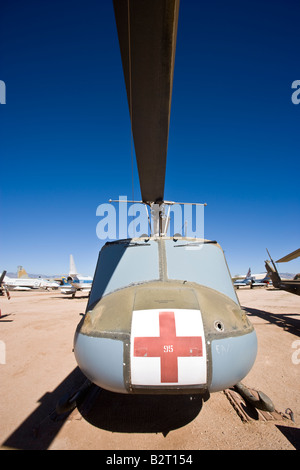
{"x":163,"y":316}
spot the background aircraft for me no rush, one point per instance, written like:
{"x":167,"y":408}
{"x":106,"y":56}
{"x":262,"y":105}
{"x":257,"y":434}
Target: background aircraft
{"x":253,"y":280}
{"x":24,"y":282}
{"x":3,"y":288}
{"x":75,"y":282}
{"x":243,"y":281}
{"x":289,"y":285}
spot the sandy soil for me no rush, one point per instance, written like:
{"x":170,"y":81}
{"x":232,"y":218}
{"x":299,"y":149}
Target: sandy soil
{"x":37,"y":367}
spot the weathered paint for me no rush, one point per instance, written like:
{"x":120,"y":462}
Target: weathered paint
{"x":168,"y":348}
{"x":104,"y":338}
{"x":232,"y":359}
{"x":101,"y":360}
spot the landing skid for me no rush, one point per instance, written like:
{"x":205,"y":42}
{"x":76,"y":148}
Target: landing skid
{"x":256,"y":398}
{"x":69,"y":401}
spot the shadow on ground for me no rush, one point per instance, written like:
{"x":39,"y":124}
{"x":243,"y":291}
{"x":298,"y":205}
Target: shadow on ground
{"x":106,"y":410}
{"x":283,"y":320}
{"x":140,"y":413}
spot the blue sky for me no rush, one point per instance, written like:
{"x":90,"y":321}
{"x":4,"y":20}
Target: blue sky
{"x":65,"y":131}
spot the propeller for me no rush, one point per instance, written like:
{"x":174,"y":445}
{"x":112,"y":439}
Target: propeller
{"x":147,"y":32}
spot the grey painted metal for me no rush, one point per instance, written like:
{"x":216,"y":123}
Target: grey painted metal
{"x":203,"y":263}
{"x":101,"y":360}
{"x":124,"y":263}
{"x":135,"y":275}
{"x":232,"y":359}
{"x":120,"y":265}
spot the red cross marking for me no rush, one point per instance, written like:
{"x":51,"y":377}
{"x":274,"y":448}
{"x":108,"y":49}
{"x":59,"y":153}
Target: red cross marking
{"x":168,"y":347}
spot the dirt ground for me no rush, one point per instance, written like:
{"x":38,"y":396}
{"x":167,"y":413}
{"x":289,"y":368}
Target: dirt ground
{"x":37,"y":366}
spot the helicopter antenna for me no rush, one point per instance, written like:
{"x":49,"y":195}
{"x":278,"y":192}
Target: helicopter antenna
{"x":160,"y":220}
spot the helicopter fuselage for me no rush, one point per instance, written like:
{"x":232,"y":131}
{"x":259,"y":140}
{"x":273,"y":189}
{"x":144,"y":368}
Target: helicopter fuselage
{"x":163,"y":317}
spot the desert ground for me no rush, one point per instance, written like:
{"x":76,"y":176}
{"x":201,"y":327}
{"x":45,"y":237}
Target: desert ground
{"x":37,"y":367}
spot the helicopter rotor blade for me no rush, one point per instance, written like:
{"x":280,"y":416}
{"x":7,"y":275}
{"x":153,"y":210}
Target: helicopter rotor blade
{"x":289,"y":257}
{"x":147,"y":32}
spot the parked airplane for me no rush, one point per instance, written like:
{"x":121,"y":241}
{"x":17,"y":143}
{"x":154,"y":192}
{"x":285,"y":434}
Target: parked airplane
{"x":23,"y":282}
{"x":3,"y":288}
{"x":252,"y":280}
{"x":244,"y":281}
{"x":75,"y":282}
{"x":289,"y":285}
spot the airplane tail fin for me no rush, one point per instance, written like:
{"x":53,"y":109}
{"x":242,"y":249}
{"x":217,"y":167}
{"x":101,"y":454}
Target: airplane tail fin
{"x":248,"y":274}
{"x":22,"y":273}
{"x":272,"y":272}
{"x":64,"y":281}
{"x":73,"y":270}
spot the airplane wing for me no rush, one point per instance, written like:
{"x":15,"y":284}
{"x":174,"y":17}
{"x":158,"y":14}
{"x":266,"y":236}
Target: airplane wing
{"x":147,"y":32}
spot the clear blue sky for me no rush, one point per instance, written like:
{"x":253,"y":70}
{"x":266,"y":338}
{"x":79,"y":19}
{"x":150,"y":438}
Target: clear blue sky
{"x":234,"y":136}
